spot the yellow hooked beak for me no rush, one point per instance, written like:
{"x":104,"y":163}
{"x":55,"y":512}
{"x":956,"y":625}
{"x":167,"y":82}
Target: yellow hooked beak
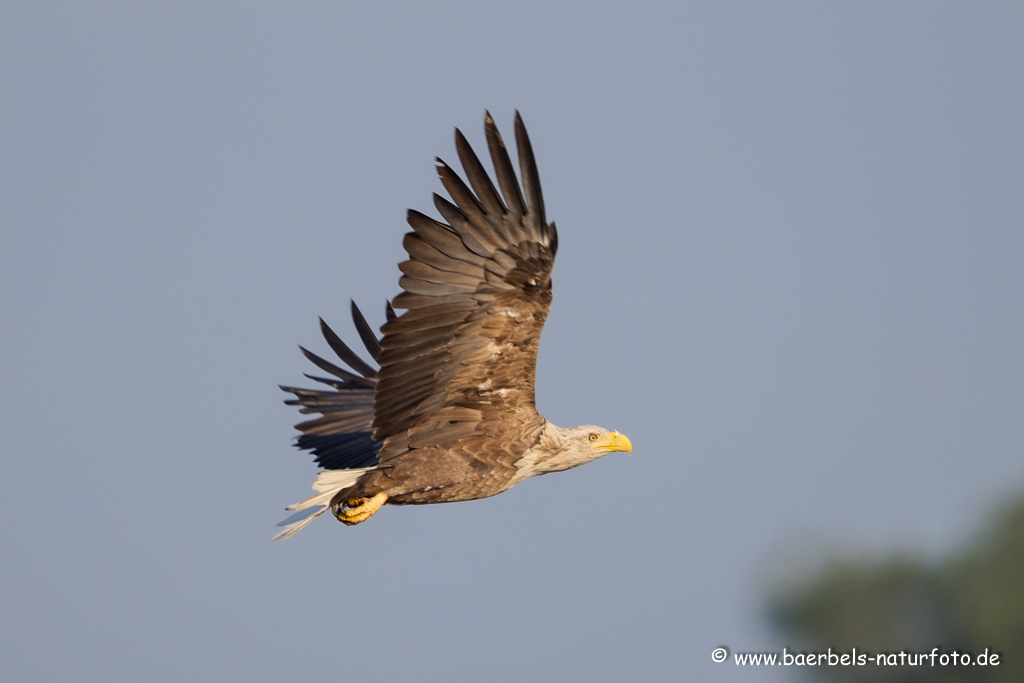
{"x":612,"y":442}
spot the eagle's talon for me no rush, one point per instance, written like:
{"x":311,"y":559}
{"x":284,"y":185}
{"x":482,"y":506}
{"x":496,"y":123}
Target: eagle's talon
{"x":355,"y":510}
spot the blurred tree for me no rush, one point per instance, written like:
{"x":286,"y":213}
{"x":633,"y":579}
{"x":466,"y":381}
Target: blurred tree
{"x":970,"y":602}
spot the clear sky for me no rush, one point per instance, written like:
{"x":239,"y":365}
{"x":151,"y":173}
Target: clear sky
{"x":792,"y":240}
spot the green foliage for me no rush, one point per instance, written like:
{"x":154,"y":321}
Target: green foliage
{"x":988,"y":598}
{"x":970,"y":602}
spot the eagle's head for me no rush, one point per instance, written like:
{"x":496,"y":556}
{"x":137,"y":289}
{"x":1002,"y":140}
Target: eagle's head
{"x":577,"y":446}
{"x":599,"y":441}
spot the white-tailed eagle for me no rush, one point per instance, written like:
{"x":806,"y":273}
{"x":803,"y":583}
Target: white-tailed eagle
{"x":450,"y":415}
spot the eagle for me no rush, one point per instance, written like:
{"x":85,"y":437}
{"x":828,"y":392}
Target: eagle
{"x":450,"y":414}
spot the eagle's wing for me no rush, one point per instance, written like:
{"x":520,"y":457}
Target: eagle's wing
{"x":460,"y":361}
{"x":342,"y":437}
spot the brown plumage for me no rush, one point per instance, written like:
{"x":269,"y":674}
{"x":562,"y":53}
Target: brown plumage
{"x":451,"y":413}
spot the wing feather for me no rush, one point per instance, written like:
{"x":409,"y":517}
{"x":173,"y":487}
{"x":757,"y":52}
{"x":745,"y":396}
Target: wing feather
{"x":424,"y":271}
{"x":409,"y":300}
{"x":424,"y":252}
{"x":443,"y":320}
{"x":486,"y":227}
{"x":415,"y":285}
{"x":366,"y":334}
{"x":402,"y":356}
{"x":327,"y":366}
{"x":476,"y":239}
{"x":534,"y":221}
{"x":442,"y":238}
{"x":344,"y":352}
{"x":503,"y":169}
{"x":477,"y":176}
{"x":484,"y":188}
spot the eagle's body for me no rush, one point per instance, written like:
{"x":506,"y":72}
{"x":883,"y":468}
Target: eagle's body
{"x":451,"y":413}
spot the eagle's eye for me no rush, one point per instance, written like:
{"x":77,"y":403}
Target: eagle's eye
{"x":592,"y":437}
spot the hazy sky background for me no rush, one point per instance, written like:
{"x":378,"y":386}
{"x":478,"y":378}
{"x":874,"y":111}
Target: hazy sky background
{"x":792,"y":239}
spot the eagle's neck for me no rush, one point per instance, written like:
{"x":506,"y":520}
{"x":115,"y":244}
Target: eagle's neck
{"x":558,"y":449}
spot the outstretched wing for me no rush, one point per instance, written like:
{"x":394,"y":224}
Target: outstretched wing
{"x":342,"y":437}
{"x":461,"y":360}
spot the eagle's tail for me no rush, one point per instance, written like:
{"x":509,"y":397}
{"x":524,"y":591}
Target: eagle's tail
{"x":328,"y":483}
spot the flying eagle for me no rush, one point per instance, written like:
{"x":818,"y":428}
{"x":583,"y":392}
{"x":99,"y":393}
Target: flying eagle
{"x":451,"y":414}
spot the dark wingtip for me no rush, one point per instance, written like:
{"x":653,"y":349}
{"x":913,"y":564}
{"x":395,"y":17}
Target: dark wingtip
{"x":520,"y":127}
{"x":344,"y":352}
{"x":503,"y":167}
{"x":528,"y":170}
{"x":366,"y":333}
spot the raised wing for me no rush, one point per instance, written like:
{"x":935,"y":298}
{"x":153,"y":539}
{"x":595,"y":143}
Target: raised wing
{"x":461,"y":360}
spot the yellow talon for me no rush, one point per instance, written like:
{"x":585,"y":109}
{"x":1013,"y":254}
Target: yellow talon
{"x":356,"y":510}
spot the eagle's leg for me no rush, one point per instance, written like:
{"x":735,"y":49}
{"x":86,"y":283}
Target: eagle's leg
{"x":356,"y":510}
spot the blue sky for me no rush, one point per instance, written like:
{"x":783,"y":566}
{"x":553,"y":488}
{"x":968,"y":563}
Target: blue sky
{"x":789,"y":270}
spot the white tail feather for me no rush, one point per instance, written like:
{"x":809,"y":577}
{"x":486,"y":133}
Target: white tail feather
{"x":327,"y":484}
{"x":291,"y":527}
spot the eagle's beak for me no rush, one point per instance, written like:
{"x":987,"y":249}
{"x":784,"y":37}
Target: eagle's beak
{"x":614,"y":442}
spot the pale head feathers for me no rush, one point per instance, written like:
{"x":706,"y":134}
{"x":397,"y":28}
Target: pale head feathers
{"x":561,"y":449}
